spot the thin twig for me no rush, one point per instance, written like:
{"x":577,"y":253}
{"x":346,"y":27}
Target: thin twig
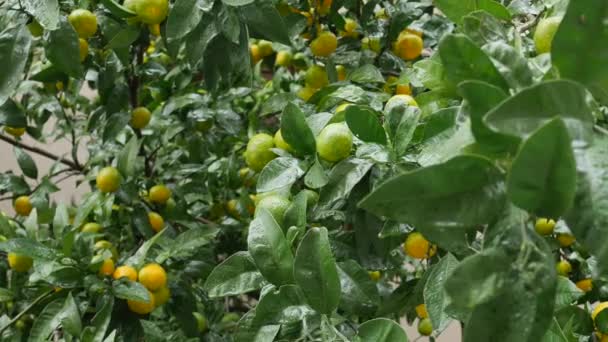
{"x":42,"y":152}
{"x":28,"y":308}
{"x":600,"y":129}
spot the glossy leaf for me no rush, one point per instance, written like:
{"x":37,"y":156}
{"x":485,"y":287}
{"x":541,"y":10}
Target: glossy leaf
{"x":47,"y":321}
{"x":381,"y":330}
{"x":435,"y":298}
{"x":365,"y":124}
{"x":316,"y":273}
{"x":366,"y":74}
{"x":11,"y":114}
{"x":269,"y":249}
{"x":542,"y":179}
{"x":264,"y":21}
{"x":400,"y":124}
{"x":295,"y":130}
{"x":14,"y":49}
{"x":282,"y":306}
{"x":456,"y":10}
{"x":128,"y":157}
{"x":342,"y":179}
{"x":359,"y":293}
{"x":183,"y":18}
{"x":511,"y":64}
{"x":279,"y":173}
{"x":62,"y":49}
{"x":26,"y":163}
{"x":130,"y":290}
{"x":235,"y":275}
{"x":28,"y":247}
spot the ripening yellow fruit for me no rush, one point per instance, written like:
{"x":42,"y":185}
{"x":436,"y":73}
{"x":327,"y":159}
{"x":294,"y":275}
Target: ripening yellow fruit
{"x":105,"y":244}
{"x":153,"y":277}
{"x":258,"y":152}
{"x":305,"y":93}
{"x":599,"y":308}
{"x":125,"y":271}
{"x":341,"y":72}
{"x":23,"y":206}
{"x":421,"y":311}
{"x":403,"y":89}
{"x":156,"y":221}
{"x":140,"y":117}
{"x":265,"y":48}
{"x":350,"y":28}
{"x":108,"y":179}
{"x":563,"y":268}
{"x":565,"y":240}
{"x":544,"y":226}
{"x":544,"y":33}
{"x":400,"y":100}
{"x":154,"y":29}
{"x":159,"y":194}
{"x":91,"y":227}
{"x":232,"y":208}
{"x":84,"y":22}
{"x":324,"y":7}
{"x":283,"y":58}
{"x":150,"y":11}
{"x":281,"y":143}
{"x":140,"y":307}
{"x":585,"y":285}
{"x":256,"y":56}
{"x":83,"y":47}
{"x":375,"y":275}
{"x":15,"y":131}
{"x":417,"y":247}
{"x":161,"y":296}
{"x":107,"y":268}
{"x":335,"y":142}
{"x":19,"y":263}
{"x":316,"y":77}
{"x":324,"y":45}
{"x":408,"y":46}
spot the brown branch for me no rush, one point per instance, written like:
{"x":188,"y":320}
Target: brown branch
{"x":43,"y":153}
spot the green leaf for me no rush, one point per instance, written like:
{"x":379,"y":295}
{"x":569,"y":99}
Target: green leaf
{"x":484,"y":28}
{"x":127,"y":157}
{"x":28,"y":247}
{"x":511,"y":64}
{"x":316,"y":273}
{"x":131,"y":290}
{"x":365,"y":124}
{"x":237,"y":3}
{"x":47,"y":321}
{"x":575,"y":50}
{"x":279,"y":173}
{"x":137,"y":260}
{"x":26,"y":163}
{"x":381,"y":330}
{"x":276,"y":103}
{"x":183,"y":18}
{"x":434,"y":202}
{"x":265,"y":21}
{"x":269,"y":249}
{"x":117,"y":9}
{"x":101,"y":321}
{"x":6,"y":295}
{"x":455,"y":10}
{"x":465,"y":61}
{"x":531,"y":108}
{"x":89,"y":202}
{"x":315,"y":177}
{"x":234,"y":276}
{"x":283,"y":306}
{"x":295,"y":130}
{"x":359,"y":295}
{"x":12,"y":114}
{"x":367,"y":73}
{"x":566,"y":293}
{"x":296,"y":213}
{"x":123,"y":37}
{"x":63,"y":50}
{"x":342,"y":179}
{"x":46,"y":12}
{"x":435,"y":297}
{"x":14,"y":50}
{"x":542,"y":178}
{"x":400,"y":124}
{"x":70,"y":320}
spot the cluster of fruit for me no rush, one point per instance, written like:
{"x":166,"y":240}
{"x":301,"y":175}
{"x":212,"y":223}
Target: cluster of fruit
{"x":153,"y":277}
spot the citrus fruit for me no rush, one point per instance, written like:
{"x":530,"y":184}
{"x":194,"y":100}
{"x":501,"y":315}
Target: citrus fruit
{"x":84,"y":22}
{"x":20,"y":324}
{"x":232,"y":208}
{"x":108,"y":179}
{"x":585,"y":285}
{"x":350,"y":28}
{"x":107,"y":267}
{"x":335,"y":142}
{"x":161,"y":296}
{"x":19,"y":263}
{"x":283,"y":58}
{"x":563,"y":268}
{"x":125,"y":271}
{"x":265,"y":48}
{"x":141,"y":307}
{"x":339,"y":113}
{"x":324,"y":7}
{"x":403,"y":89}
{"x":259,"y":152}
{"x":417,"y":247}
{"x":159,"y":194}
{"x":425,"y":327}
{"x":599,"y":308}
{"x":105,"y":244}
{"x":15,"y":131}
{"x":276,"y":205}
{"x":154,"y":29}
{"x":91,"y":227}
{"x":83,"y":47}
{"x":201,"y":321}
{"x":544,"y":226}
{"x":324,"y":45}
{"x":280,"y":143}
{"x":23,"y":206}
{"x":152,"y":276}
{"x":156,"y":221}
{"x":316,"y":77}
{"x":408,"y":46}
{"x":399,"y":100}
{"x":421,"y":311}
{"x":544,"y":33}
{"x":375,"y":275}
{"x":150,"y":11}
{"x":341,"y":72}
{"x":35,"y":28}
{"x":140,"y":117}
{"x":565,"y":240}
{"x":254,"y":51}
{"x":305,"y":93}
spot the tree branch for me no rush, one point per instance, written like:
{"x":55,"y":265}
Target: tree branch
{"x":28,"y":308}
{"x":42,"y":152}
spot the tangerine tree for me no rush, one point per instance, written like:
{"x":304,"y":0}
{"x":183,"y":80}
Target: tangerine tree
{"x":305,"y":170}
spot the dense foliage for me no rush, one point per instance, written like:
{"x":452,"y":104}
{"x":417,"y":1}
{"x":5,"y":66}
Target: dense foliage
{"x":306,"y":170}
